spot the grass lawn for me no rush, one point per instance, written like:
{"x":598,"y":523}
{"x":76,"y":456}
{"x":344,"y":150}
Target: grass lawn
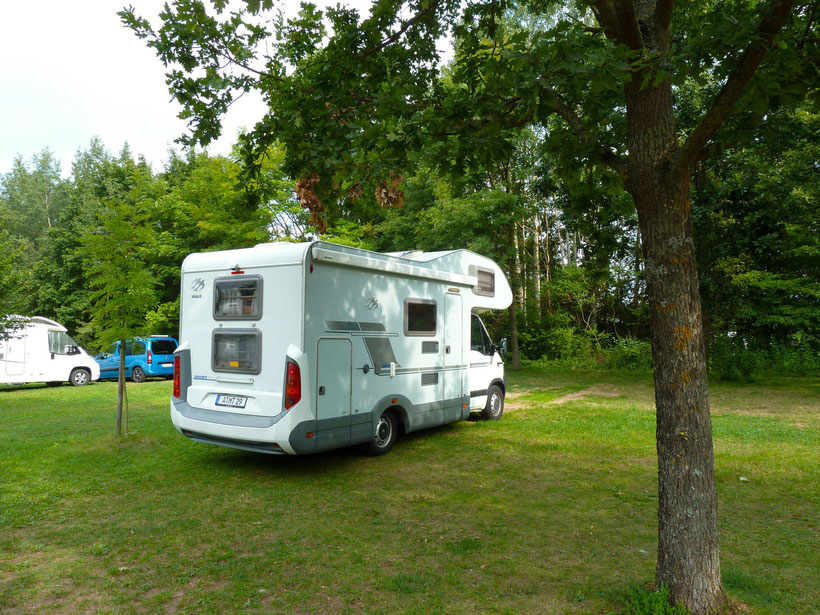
{"x":551,"y":510}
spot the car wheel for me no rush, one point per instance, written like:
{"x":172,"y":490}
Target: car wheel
{"x":137,"y":375}
{"x":387,"y":430}
{"x":79,"y":377}
{"x":495,"y":404}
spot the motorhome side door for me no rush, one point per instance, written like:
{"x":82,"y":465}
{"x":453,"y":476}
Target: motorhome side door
{"x":453,"y":348}
{"x":332,"y":394}
{"x":14,"y":354}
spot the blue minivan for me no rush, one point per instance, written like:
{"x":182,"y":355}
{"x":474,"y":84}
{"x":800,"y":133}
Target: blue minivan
{"x":144,"y":357}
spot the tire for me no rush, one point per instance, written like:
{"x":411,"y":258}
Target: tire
{"x":387,"y":431}
{"x":137,"y":375}
{"x":79,"y":377}
{"x":495,"y":404}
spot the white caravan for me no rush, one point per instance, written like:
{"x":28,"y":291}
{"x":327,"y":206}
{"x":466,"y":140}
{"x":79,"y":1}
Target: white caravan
{"x":42,"y":351}
{"x":299,"y":348}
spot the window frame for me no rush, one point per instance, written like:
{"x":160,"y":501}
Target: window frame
{"x":485,"y":336}
{"x":417,"y":301}
{"x":492,"y":278}
{"x":242,"y":278}
{"x":229,"y":370}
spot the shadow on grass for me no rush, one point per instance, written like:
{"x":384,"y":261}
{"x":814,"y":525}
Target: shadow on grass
{"x":311,"y":464}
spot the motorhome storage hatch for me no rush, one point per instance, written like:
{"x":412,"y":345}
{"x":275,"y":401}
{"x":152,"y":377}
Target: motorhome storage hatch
{"x":299,"y":348}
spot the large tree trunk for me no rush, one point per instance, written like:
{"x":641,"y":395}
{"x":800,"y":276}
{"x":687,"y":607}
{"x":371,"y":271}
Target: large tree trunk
{"x":688,"y":553}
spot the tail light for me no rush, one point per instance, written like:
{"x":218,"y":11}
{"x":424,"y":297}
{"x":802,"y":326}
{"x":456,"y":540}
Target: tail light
{"x":177,"y":371}
{"x":150,"y":358}
{"x":293,"y":385}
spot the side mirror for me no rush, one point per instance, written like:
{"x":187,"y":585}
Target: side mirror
{"x":503,"y":345}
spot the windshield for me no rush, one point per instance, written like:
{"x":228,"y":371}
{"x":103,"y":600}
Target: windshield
{"x":60,"y":342}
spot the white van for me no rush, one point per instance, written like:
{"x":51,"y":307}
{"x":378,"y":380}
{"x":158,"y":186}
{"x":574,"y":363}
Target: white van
{"x":42,"y":351}
{"x":299,"y":348}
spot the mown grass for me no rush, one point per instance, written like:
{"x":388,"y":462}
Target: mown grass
{"x":551,"y":510}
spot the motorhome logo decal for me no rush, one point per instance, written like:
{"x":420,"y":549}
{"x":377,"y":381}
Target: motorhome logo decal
{"x":198,"y":285}
{"x":372,"y":303}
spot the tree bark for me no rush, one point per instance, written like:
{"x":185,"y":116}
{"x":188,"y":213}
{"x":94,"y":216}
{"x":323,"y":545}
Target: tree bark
{"x":536,"y":265}
{"x":518,"y":291}
{"x":688,"y":553}
{"x":516,"y":356}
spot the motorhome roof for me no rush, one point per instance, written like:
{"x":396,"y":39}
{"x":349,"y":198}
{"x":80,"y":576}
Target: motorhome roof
{"x":39,"y":320}
{"x":283,"y":253}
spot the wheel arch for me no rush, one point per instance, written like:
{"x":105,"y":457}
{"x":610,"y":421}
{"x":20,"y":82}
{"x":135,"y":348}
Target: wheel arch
{"x":501,"y":384}
{"x":398,"y":404}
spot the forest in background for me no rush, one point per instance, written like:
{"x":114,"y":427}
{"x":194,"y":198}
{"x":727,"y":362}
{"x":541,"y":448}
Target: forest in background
{"x":569,"y":242}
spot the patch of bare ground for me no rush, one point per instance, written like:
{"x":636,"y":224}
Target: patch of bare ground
{"x":596,"y":390}
{"x":511,"y":402}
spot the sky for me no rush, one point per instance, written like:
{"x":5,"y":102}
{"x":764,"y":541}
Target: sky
{"x":70,"y":71}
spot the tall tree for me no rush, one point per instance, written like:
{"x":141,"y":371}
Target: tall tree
{"x":114,"y":262}
{"x":350,"y":106}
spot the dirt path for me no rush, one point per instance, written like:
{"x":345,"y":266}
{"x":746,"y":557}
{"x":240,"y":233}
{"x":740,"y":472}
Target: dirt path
{"x":512,"y":403}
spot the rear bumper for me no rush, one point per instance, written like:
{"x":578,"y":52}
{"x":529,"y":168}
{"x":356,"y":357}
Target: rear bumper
{"x":262,"y":434}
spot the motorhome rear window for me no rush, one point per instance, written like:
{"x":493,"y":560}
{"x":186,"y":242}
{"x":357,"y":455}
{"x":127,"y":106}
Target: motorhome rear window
{"x":237,"y":350}
{"x":486,"y":282}
{"x":238,"y":298}
{"x":419,"y":317}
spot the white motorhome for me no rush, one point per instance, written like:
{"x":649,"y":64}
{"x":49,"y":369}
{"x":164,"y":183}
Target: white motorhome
{"x":42,"y":351}
{"x":299,"y":348}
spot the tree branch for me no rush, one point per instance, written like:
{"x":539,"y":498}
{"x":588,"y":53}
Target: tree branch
{"x":628,"y":26}
{"x":566,"y":113}
{"x":663,"y":14}
{"x":619,"y":21}
{"x":605,"y":15}
{"x":723,"y":103}
{"x":405,"y":25}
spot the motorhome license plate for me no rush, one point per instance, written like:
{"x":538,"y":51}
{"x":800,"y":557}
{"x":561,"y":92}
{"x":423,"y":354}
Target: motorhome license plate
{"x":231,"y":401}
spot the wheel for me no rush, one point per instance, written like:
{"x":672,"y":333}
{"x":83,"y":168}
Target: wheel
{"x":79,"y":376}
{"x":137,"y":375}
{"x":495,"y":404}
{"x":387,"y":430}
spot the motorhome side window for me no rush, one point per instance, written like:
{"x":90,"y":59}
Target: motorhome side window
{"x":238,"y":298}
{"x":486,"y":283}
{"x":59,"y":342}
{"x":237,"y":350}
{"x":479,"y":340}
{"x":419,"y":317}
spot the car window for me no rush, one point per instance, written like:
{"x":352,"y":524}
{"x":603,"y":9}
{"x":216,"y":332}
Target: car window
{"x":137,"y":348}
{"x":163,"y":346}
{"x":479,"y":340}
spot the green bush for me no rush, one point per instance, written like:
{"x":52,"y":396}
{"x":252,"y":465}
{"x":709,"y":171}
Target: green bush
{"x":642,"y":602}
{"x":734,"y":359}
{"x":559,"y":344}
{"x":629,"y":353}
